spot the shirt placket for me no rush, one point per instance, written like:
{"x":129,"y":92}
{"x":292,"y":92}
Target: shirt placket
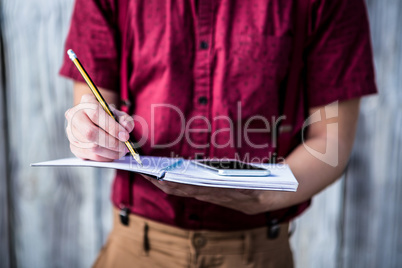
{"x":202,"y":97}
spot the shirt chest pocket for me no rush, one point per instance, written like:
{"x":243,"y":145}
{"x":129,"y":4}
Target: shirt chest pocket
{"x":257,"y":66}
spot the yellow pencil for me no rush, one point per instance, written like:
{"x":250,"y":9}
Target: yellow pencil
{"x":101,"y":100}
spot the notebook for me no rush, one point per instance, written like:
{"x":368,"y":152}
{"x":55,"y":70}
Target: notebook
{"x":185,"y":171}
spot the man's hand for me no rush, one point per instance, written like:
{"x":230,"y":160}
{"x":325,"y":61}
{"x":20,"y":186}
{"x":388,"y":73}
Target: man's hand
{"x":247,"y":201}
{"x":93,"y":134}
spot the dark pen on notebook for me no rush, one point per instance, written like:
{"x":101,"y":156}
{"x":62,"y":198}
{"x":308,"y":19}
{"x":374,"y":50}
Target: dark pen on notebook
{"x":101,"y":100}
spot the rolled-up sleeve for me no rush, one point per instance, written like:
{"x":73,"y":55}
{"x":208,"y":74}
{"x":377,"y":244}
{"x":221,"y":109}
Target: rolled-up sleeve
{"x":93,"y":37}
{"x":339,"y":55}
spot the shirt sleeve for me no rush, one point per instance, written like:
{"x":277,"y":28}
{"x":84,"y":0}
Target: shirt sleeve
{"x":339,"y":54}
{"x":93,"y":37}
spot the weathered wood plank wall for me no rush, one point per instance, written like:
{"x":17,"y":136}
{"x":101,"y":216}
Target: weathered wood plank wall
{"x":54,"y":209}
{"x":4,"y":179}
{"x":364,"y":229}
{"x":315,"y":242}
{"x":62,"y":216}
{"x":373,"y":193}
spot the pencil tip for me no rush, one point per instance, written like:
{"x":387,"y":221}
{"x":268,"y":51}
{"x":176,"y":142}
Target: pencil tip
{"x":138,"y":159}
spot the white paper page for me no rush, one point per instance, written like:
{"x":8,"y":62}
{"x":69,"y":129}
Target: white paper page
{"x":151,"y":165}
{"x":237,"y":185}
{"x":281,"y":177}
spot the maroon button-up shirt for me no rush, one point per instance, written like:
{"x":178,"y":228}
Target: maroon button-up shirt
{"x":205,"y":79}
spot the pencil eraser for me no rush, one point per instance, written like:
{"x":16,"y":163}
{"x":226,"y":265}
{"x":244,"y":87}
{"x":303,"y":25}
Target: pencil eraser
{"x":71,"y":54}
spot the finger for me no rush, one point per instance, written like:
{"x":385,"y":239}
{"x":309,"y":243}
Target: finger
{"x":194,"y":190}
{"x":76,"y":138}
{"x":106,"y":153}
{"x":87,"y":140}
{"x":169,"y":188}
{"x":107,"y":123}
{"x":220,"y":200}
{"x":84,"y":131}
{"x":124,"y":119}
{"x":98,"y":116}
{"x":99,"y":138}
{"x":88,"y":151}
{"x":86,"y":154}
{"x":247,"y":192}
{"x":127,"y":122}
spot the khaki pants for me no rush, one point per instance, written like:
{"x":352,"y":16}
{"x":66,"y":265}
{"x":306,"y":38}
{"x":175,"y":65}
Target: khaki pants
{"x":146,"y":243}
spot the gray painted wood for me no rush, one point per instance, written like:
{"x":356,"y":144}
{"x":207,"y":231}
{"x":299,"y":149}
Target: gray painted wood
{"x":365,"y":232}
{"x":4,"y":209}
{"x":315,"y":242}
{"x":373,"y":216}
{"x":54,"y":215}
{"x":373,"y":236}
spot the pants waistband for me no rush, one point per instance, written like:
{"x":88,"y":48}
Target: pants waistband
{"x":202,"y":241}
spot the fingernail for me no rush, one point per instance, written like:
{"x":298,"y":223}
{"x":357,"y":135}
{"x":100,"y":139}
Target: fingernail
{"x":123,"y":136}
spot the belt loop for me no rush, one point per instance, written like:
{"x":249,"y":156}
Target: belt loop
{"x":247,"y":240}
{"x":273,"y":229}
{"x":146,"y":239}
{"x":127,"y":202}
{"x":124,"y":215}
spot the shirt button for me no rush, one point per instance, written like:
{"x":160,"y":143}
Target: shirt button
{"x":199,"y":241}
{"x":202,"y":100}
{"x":203,"y":45}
